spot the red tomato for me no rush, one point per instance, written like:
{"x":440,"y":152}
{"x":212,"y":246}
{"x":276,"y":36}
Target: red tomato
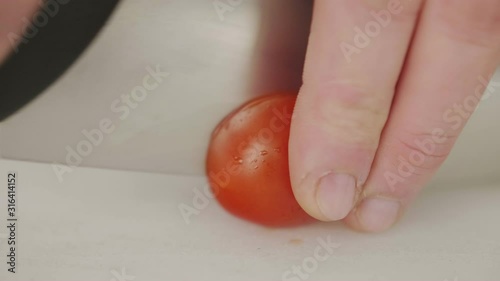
{"x":247,"y":162}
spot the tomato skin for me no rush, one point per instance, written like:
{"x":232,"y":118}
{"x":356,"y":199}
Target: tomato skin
{"x":247,"y":163}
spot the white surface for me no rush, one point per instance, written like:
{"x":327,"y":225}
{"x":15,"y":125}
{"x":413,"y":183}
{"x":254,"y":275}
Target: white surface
{"x":98,"y":221}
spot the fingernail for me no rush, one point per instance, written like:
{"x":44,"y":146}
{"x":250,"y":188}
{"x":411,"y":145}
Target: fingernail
{"x":378,"y":214}
{"x":335,"y":195}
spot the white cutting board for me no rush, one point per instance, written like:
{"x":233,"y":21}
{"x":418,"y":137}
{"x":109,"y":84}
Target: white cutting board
{"x":104,"y":225}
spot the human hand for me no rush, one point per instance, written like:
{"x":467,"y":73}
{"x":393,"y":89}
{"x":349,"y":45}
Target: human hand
{"x":388,"y":86}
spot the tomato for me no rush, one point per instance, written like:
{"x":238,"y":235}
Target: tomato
{"x":247,"y":163}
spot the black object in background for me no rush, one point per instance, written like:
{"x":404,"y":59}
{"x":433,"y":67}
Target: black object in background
{"x":41,"y":59}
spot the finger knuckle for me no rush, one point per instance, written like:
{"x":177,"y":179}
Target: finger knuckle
{"x":411,"y":159}
{"x":472,"y":22}
{"x":350,"y":113}
{"x":400,"y":9}
{"x":423,"y":152}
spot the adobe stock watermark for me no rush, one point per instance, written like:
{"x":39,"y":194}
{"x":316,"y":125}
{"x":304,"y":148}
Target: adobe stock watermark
{"x":303,"y":271}
{"x":223,"y":6}
{"x":363,"y":36}
{"x":121,"y":276}
{"x":31,"y":27}
{"x":122,"y":106}
{"x":248,"y":149}
{"x":455,"y":117}
{"x":201,"y":200}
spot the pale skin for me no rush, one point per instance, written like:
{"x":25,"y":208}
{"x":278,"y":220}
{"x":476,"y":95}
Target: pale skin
{"x":357,"y":121}
{"x":374,"y":121}
{"x":11,"y":21}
